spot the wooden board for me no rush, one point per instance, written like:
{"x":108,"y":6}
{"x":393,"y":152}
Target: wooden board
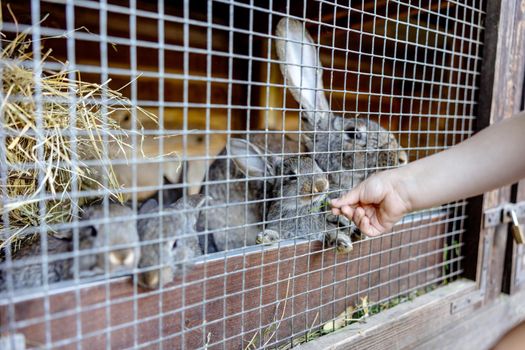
{"x":404,"y":326}
{"x":427,"y":323}
{"x":483,"y":329}
{"x":229,"y":301}
{"x":500,"y":98}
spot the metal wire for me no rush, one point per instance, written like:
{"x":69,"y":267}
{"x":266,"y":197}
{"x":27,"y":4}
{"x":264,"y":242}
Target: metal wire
{"x":210,"y":71}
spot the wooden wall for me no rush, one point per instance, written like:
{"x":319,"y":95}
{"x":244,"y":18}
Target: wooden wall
{"x":218,"y":293}
{"x":408,"y":69}
{"x":227,"y":302}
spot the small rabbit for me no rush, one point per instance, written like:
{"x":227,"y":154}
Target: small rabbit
{"x":120,"y":238}
{"x":234,"y":214}
{"x":176,"y":145}
{"x":297,"y":194}
{"x":121,"y":235}
{"x":295,"y":183}
{"x":30,"y":274}
{"x":348,"y":149}
{"x":168,"y":252}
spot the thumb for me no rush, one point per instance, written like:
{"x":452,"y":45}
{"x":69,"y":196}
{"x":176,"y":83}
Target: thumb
{"x":349,"y":198}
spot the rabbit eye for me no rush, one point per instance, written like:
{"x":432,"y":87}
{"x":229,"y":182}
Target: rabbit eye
{"x":292,"y":177}
{"x":92,"y":231}
{"x":353,"y":133}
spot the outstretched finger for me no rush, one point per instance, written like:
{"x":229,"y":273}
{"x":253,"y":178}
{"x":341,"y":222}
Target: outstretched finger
{"x":348,"y":212}
{"x":350,"y":198}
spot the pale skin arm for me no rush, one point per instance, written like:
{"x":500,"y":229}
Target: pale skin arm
{"x":490,"y":159}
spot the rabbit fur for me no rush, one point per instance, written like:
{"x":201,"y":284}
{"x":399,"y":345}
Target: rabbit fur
{"x":168,"y":250}
{"x":287,"y":178}
{"x":347,"y":148}
{"x":119,"y":239}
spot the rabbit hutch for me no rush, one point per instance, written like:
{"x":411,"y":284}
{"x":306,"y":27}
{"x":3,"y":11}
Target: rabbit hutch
{"x":166,"y":170}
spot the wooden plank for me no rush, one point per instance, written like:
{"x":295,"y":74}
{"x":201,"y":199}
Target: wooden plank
{"x":514,"y":267}
{"x":401,"y":326}
{"x":482,"y":329}
{"x":498,"y":100}
{"x":290,"y":288}
{"x":500,"y":97}
{"x":474,"y":240}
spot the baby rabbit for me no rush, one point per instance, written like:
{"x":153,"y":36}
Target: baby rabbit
{"x":121,"y":235}
{"x":168,"y":251}
{"x":234,"y":215}
{"x":295,"y":183}
{"x":348,"y":149}
{"x":30,"y":274}
{"x":297,"y":195}
{"x":120,"y":238}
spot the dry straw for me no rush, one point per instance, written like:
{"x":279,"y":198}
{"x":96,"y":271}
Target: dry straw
{"x":37,"y":119}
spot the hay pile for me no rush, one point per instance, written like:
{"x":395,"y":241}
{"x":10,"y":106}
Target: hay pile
{"x":39,"y":151}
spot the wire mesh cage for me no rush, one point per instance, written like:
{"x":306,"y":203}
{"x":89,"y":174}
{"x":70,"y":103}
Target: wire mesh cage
{"x":166,"y":167}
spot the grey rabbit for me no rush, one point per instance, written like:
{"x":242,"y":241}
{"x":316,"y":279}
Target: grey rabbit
{"x":124,"y":255}
{"x":237,"y":189}
{"x":119,"y":237}
{"x":296,"y":191}
{"x":234,"y":211}
{"x":295,"y":186}
{"x":169,"y":251}
{"x":347,"y":148}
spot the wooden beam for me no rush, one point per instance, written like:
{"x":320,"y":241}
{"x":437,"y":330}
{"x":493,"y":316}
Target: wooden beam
{"x":483,"y":329}
{"x":500,"y":98}
{"x":243,"y":290}
{"x":402,"y":326}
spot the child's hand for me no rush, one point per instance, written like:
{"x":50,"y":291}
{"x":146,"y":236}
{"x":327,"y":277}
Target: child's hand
{"x":375,"y":205}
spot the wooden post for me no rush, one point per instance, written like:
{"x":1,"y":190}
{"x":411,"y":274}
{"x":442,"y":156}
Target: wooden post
{"x":499,"y":98}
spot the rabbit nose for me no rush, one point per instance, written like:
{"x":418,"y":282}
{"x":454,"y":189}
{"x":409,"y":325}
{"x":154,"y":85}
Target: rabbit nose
{"x":149,"y":279}
{"x":122,"y":257}
{"x":320,"y":185}
{"x":402,"y":158}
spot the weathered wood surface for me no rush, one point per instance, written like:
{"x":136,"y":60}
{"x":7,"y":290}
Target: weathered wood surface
{"x":427,"y":323}
{"x":401,"y":327}
{"x":226,"y":302}
{"x":500,"y":97}
{"x":482,"y":329}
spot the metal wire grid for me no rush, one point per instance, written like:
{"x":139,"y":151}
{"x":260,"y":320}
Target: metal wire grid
{"x":463,"y":24}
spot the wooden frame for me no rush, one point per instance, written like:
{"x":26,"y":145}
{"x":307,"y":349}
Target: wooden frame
{"x":295,"y":276}
{"x":490,"y":261}
{"x":471,"y":315}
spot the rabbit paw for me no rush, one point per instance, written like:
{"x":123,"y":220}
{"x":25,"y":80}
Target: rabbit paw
{"x":341,"y":241}
{"x":344,"y":244}
{"x":357,"y":235}
{"x":338,"y":220}
{"x":267,"y":236}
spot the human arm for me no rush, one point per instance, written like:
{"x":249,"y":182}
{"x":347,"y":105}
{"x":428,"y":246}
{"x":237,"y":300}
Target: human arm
{"x":492,"y":158}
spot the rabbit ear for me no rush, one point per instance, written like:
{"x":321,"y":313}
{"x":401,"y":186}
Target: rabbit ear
{"x":196,"y":200}
{"x":249,"y":159}
{"x":307,"y":142}
{"x":148,"y":206}
{"x":301,"y":67}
